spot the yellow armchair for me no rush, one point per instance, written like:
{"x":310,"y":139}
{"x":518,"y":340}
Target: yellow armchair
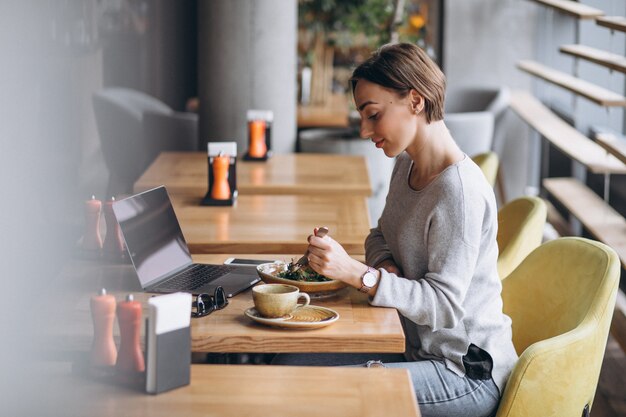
{"x":561,"y":301}
{"x":488,"y":163}
{"x":520,"y":230}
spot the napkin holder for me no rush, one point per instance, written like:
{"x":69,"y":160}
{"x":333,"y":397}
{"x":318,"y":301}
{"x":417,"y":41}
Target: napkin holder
{"x":215,"y":149}
{"x":168,"y":342}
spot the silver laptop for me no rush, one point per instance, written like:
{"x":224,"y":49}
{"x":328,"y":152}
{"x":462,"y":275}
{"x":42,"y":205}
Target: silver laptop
{"x":159,"y":252}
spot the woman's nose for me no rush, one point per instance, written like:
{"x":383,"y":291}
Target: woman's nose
{"x":366,"y":130}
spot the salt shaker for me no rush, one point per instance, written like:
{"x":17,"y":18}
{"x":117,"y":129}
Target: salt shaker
{"x":92,"y":241}
{"x":103,"y":351}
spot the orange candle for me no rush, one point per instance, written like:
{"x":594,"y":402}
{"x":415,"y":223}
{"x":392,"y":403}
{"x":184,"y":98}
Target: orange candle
{"x":258,"y":146}
{"x":103,"y":351}
{"x":221,"y":188}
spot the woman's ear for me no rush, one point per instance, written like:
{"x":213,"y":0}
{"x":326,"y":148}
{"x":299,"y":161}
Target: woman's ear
{"x":417,"y":101}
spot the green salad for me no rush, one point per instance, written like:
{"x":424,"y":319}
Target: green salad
{"x":305,"y":273}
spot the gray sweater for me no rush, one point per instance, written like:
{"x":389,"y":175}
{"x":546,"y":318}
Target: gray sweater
{"x":443,"y":239}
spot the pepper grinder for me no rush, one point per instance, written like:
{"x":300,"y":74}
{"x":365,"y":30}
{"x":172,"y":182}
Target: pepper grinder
{"x":92,"y":241}
{"x":113,"y":243}
{"x":103,"y":351}
{"x":221,"y":188}
{"x":130,"y":359}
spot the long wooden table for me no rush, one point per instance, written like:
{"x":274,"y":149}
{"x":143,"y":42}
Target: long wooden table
{"x":292,"y":174}
{"x":271,"y":223}
{"x":360,"y":328}
{"x":241,"y":390}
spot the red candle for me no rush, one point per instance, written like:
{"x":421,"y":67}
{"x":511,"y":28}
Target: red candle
{"x":103,"y":351}
{"x":113,"y":241}
{"x":91,"y":238}
{"x":130,"y":358}
{"x":221,"y":188}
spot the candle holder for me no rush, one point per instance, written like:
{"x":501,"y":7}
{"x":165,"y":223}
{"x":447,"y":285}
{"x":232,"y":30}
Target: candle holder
{"x":222,"y":174}
{"x":259,"y":135}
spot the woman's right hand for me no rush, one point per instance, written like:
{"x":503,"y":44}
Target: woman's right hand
{"x":390,"y":266}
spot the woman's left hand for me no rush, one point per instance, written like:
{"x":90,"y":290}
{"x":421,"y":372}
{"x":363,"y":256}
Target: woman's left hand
{"x":329,"y":258}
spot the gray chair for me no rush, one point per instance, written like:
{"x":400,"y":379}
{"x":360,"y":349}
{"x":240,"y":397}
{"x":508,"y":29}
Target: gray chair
{"x":175,"y":131}
{"x":472,"y":131}
{"x":134,"y":128}
{"x":466,"y":116}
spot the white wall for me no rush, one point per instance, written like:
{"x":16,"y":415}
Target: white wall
{"x":483,"y":40}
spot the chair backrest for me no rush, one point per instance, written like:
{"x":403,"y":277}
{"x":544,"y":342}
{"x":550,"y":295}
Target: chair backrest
{"x":472,"y":131}
{"x":175,"y":131}
{"x":493,"y":99}
{"x":520,"y":230}
{"x":472,"y":99}
{"x":561,"y":300}
{"x":119,"y":117}
{"x":488,"y":163}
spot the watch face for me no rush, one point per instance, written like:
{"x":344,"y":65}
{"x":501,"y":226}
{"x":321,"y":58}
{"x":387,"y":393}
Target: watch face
{"x":369,"y":279}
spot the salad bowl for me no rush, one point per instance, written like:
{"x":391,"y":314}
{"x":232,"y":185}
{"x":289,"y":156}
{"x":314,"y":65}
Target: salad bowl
{"x":306,"y":279}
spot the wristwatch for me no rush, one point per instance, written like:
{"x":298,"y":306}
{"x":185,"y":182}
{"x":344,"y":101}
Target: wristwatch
{"x":375,"y":364}
{"x":369,"y":280}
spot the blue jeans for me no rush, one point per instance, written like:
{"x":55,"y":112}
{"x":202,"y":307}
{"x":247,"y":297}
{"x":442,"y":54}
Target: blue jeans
{"x":439,"y":391}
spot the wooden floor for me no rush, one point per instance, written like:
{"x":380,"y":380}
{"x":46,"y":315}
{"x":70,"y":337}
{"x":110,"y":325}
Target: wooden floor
{"x":610,"y":398}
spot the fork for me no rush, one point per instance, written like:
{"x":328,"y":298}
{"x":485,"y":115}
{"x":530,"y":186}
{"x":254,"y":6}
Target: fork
{"x":304,"y":260}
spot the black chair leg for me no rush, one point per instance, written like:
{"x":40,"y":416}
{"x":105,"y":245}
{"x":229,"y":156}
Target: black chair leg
{"x":586,"y":411}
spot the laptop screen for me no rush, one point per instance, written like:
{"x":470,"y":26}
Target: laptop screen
{"x":153,"y":237}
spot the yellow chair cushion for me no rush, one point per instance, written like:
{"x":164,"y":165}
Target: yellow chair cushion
{"x":561,"y":300}
{"x":488,"y":163}
{"x":520,"y":230}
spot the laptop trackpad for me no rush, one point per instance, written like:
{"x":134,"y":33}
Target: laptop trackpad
{"x":233,"y":283}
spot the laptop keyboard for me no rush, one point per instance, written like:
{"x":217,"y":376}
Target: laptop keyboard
{"x":194,"y":277}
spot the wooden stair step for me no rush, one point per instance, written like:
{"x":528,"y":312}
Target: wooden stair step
{"x":562,"y":135}
{"x":597,"y":94}
{"x":597,"y":56}
{"x":600,"y":219}
{"x":572,"y":8}
{"x":612,"y":22}
{"x":554,"y":217}
{"x":613,"y":145}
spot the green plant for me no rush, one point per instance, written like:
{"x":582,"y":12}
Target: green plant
{"x":343,"y":22}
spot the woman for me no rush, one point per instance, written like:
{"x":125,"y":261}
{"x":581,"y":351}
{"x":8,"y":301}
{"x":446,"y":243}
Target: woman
{"x":433,"y":254}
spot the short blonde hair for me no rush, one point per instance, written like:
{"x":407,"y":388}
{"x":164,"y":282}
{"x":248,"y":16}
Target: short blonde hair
{"x":404,"y":67}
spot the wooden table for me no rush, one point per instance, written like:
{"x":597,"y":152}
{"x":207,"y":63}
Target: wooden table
{"x":271,"y":223}
{"x":360,"y":328}
{"x":292,"y":174}
{"x":242,"y":390}
{"x":332,"y":114}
